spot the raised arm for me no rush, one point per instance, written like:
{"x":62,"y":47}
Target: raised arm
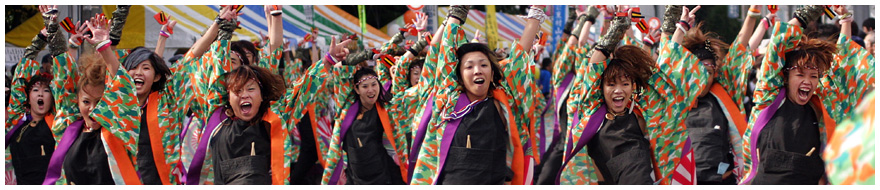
{"x":763,"y":27}
{"x":276,"y":27}
{"x":117,"y":22}
{"x":536,"y":16}
{"x":101,"y":37}
{"x":164,"y":34}
{"x":670,"y":16}
{"x":689,"y":17}
{"x":745,"y":32}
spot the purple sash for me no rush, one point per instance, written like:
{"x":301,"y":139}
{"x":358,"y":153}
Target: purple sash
{"x":589,"y":131}
{"x":762,"y":120}
{"x":420,"y":136}
{"x":387,"y":86}
{"x":540,"y":133}
{"x":53,"y":173}
{"x":559,"y":91}
{"x":346,"y":123}
{"x":20,"y":123}
{"x":449,"y":132}
{"x":195,"y":168}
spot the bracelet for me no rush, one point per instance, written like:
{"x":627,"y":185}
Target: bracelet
{"x":103,"y":45}
{"x":753,"y":10}
{"x":218,"y":19}
{"x":410,"y":50}
{"x":164,"y":34}
{"x":680,"y":27}
{"x":609,"y":17}
{"x":766,"y":23}
{"x":845,"y":20}
{"x":844,"y":16}
{"x":75,"y":43}
{"x":685,"y":24}
{"x":754,"y":14}
{"x":330,"y":58}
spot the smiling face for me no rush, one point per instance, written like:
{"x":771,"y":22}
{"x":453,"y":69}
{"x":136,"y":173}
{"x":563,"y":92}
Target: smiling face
{"x":616,"y":93}
{"x":368,"y":90}
{"x":801,"y":84}
{"x":246,"y":101}
{"x":476,"y":74}
{"x":40,"y":99}
{"x":144,"y":76}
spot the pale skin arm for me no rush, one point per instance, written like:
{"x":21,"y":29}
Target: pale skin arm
{"x":160,"y":43}
{"x":202,"y":44}
{"x":528,"y":36}
{"x":81,"y":29}
{"x":276,"y":32}
{"x":686,"y":15}
{"x":747,"y":28}
{"x":756,"y":38}
{"x":845,"y":27}
{"x":100,"y":33}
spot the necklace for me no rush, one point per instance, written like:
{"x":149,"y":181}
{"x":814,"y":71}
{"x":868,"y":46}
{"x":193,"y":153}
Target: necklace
{"x":20,"y":134}
{"x":610,"y":115}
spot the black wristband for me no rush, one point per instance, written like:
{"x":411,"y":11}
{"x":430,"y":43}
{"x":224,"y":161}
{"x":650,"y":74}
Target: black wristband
{"x":43,"y":37}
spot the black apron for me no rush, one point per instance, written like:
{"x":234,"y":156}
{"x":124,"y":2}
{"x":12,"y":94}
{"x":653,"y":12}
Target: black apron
{"x":485,"y":162}
{"x":368,"y":160}
{"x":27,"y":149}
{"x":306,"y":170}
{"x":86,"y":161}
{"x":231,"y":151}
{"x":783,"y":145}
{"x":621,"y":152}
{"x":552,"y":159}
{"x":708,"y":129}
{"x":146,"y":166}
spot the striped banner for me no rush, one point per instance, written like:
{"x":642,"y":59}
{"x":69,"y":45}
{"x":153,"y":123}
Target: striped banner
{"x":510,"y":27}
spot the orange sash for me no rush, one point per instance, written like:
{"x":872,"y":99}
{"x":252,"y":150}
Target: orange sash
{"x":277,"y":135}
{"x":386,"y":125}
{"x":156,"y":137}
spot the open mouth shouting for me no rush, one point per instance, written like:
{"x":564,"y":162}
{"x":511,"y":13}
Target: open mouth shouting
{"x":618,"y":101}
{"x":803,"y":94}
{"x":247,"y":108}
{"x":41,"y":104}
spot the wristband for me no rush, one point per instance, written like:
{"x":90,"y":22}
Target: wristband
{"x":164,"y":34}
{"x":103,"y":45}
{"x":766,"y":23}
{"x":680,"y":27}
{"x":685,"y":24}
{"x":753,"y":10}
{"x":845,"y":20}
{"x":609,"y":17}
{"x":43,"y":37}
{"x":331,"y":59}
{"x":844,"y":16}
{"x":754,"y":14}
{"x":76,"y":43}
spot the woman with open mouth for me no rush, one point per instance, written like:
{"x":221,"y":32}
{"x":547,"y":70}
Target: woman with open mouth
{"x":369,"y":144}
{"x":626,"y":97}
{"x":804,"y":86}
{"x":251,"y":118}
{"x":478,"y":133}
{"x":30,"y":141}
{"x":99,"y":142}
{"x":718,"y":121}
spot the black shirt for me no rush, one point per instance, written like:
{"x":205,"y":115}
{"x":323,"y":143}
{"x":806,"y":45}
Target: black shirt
{"x":783,"y":144}
{"x":485,"y":161}
{"x":708,"y":129}
{"x":30,"y":149}
{"x":86,"y":161}
{"x":146,"y":165}
{"x":621,"y":152}
{"x":306,"y":170}
{"x":231,"y":149}
{"x":368,"y":160}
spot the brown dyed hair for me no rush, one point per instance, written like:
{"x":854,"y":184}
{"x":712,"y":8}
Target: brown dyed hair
{"x":271,"y":85}
{"x":695,"y":42}
{"x":92,"y":71}
{"x":816,"y":51}
{"x":630,"y":62}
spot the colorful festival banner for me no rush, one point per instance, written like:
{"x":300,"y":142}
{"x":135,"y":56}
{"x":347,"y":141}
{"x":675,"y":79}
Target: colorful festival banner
{"x":362,"y":16}
{"x":559,"y":13}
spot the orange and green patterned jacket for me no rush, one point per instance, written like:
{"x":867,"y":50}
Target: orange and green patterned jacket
{"x":849,"y":156}
{"x":671,"y":91}
{"x":513,"y":95}
{"x":850,"y":76}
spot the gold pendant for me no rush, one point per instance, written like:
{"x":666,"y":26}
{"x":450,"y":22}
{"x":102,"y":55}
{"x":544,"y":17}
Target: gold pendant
{"x":609,"y":116}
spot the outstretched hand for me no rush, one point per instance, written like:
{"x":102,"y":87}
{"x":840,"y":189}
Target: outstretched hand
{"x":477,"y":36}
{"x":80,"y":29}
{"x":169,"y":27}
{"x":99,"y":27}
{"x":421,"y":21}
{"x":50,"y":11}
